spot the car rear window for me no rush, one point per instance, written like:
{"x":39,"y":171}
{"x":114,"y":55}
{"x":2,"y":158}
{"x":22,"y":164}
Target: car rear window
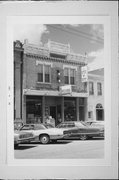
{"x":40,"y":126}
{"x":27,"y":127}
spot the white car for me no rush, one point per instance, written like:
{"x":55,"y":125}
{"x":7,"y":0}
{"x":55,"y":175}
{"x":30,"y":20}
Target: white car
{"x":43,"y":133}
{"x":20,"y":137}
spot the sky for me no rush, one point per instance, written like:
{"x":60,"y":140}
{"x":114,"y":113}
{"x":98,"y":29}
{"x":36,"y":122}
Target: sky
{"x":83,"y":38}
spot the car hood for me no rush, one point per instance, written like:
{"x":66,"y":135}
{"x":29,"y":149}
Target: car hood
{"x":55,"y":130}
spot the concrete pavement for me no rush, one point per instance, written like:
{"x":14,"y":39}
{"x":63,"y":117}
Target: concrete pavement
{"x":62,"y":149}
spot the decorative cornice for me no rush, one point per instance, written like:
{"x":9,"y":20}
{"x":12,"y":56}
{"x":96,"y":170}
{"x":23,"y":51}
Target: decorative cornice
{"x":36,"y":56}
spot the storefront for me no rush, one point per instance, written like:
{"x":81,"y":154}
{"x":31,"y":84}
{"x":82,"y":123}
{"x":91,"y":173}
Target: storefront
{"x":59,"y":108}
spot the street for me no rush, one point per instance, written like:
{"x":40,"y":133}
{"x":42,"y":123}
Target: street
{"x":62,"y":149}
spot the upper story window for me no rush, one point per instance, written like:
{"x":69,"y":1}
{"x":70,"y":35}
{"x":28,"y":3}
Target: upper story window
{"x":69,"y":76}
{"x":91,"y":88}
{"x":44,"y":73}
{"x":66,"y":76}
{"x":99,"y":89}
{"x":47,"y":73}
{"x":40,"y":74}
{"x":72,"y":76}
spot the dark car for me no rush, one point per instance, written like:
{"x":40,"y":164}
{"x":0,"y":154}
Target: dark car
{"x":80,"y":130}
{"x":92,"y":123}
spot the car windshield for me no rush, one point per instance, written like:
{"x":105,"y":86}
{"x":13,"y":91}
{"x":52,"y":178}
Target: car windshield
{"x":80,"y":124}
{"x":40,"y":126}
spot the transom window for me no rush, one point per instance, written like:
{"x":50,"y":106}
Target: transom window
{"x":44,"y":74}
{"x":69,"y":76}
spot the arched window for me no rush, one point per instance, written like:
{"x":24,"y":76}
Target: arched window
{"x":99,"y":106}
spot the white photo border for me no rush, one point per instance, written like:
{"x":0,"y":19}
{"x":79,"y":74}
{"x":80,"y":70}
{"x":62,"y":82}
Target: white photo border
{"x":105,"y":21}
{"x":9,"y":168}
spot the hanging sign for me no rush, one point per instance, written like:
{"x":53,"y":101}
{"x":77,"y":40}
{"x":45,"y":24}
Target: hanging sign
{"x":84,"y":74}
{"x":67,"y":89}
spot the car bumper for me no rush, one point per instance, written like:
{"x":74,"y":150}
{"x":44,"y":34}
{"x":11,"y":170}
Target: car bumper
{"x":23,"y":140}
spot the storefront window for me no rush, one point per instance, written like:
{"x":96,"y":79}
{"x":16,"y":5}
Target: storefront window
{"x":33,"y":109}
{"x":70,"y":109}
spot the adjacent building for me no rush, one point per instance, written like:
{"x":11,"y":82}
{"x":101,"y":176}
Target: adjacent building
{"x":48,"y":81}
{"x":96,"y":94}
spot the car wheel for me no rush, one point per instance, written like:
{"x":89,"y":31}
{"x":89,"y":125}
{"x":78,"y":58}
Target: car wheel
{"x":83,"y":137}
{"x":44,"y":139}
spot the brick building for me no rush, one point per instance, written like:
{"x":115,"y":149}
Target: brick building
{"x":48,"y":82}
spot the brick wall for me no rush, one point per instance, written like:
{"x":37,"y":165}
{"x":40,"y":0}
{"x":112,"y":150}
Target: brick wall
{"x":31,"y":70}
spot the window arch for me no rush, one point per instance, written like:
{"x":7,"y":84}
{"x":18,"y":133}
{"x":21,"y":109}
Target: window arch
{"x":99,"y":106}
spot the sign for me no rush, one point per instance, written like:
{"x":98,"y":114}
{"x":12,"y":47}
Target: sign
{"x":84,"y":74}
{"x":58,"y":47}
{"x":67,"y":89}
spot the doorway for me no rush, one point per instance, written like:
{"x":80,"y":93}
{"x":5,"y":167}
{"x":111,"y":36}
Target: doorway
{"x":99,"y":112}
{"x":53,"y":112}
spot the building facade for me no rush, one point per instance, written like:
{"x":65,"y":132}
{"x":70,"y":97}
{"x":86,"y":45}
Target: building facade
{"x":96,"y":95}
{"x":51,"y":84}
{"x":18,"y":67}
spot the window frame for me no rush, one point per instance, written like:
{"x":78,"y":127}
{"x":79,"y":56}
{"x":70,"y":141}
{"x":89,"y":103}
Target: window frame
{"x":45,"y":64}
{"x":99,"y":90}
{"x":92,"y":89}
{"x":69,"y":74}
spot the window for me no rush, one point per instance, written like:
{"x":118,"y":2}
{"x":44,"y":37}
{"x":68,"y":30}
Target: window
{"x":40,"y":74}
{"x":72,"y":76}
{"x":66,"y":76}
{"x":47,"y":73}
{"x":90,"y":114}
{"x":99,"y":89}
{"x":27,"y":127}
{"x":91,"y":88}
{"x":69,"y":76}
{"x":44,"y":73}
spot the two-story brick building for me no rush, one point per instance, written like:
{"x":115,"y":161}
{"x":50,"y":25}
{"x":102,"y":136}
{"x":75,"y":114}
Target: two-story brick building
{"x":50,"y":83}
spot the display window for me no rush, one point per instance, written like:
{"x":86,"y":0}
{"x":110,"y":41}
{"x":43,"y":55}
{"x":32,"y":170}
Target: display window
{"x":33,"y":109}
{"x":70,"y":109}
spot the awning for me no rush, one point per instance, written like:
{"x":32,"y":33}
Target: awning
{"x":52,"y":93}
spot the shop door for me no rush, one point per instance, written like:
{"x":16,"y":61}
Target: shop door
{"x":53,"y":112}
{"x":81,"y":113}
{"x":99,"y":114}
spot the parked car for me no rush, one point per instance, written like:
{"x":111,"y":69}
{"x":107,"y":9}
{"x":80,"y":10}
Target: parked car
{"x":20,"y":137}
{"x":83,"y":131}
{"x":43,"y":133}
{"x":92,"y":123}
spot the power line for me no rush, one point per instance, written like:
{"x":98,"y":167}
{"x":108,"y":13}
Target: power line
{"x":76,"y":33}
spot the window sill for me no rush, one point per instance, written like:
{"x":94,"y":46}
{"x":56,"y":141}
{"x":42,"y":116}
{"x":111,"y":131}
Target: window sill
{"x":43,"y":82}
